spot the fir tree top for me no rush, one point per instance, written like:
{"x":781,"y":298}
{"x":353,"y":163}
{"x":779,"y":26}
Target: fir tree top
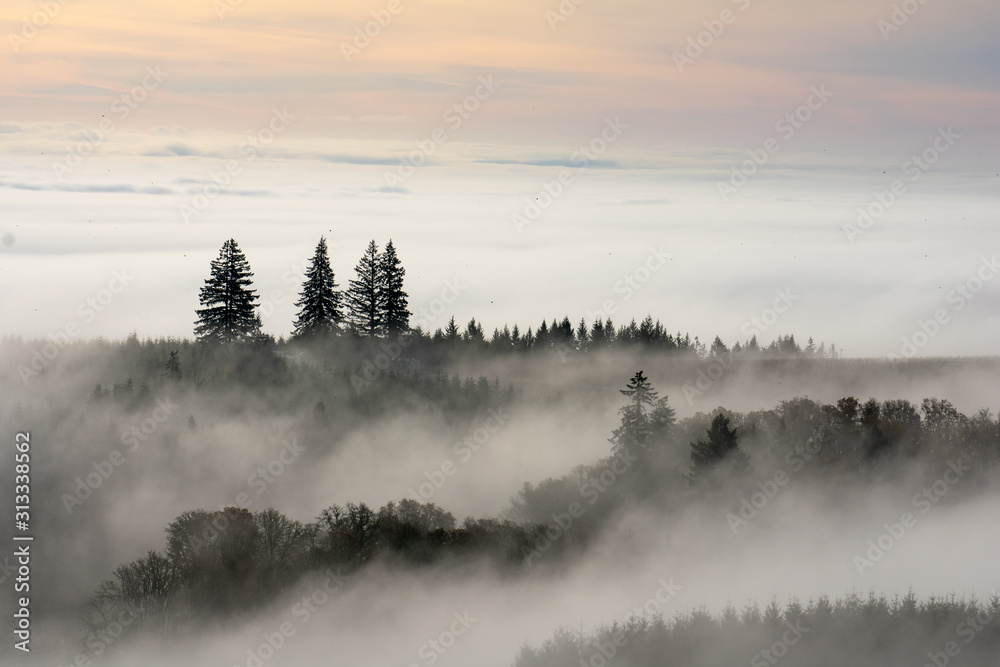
{"x":229,"y":312}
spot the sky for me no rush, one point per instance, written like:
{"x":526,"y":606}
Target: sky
{"x":529,"y":160}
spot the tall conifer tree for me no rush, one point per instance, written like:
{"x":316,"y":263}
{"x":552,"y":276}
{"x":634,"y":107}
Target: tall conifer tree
{"x":364,"y":294}
{"x":228,"y":299}
{"x":320,"y":308}
{"x":393,"y":300}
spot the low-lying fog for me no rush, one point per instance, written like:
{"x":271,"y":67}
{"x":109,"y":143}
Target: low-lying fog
{"x":803,"y":542}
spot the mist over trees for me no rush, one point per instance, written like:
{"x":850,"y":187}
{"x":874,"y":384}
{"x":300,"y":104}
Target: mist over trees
{"x":869,"y":631}
{"x":658,"y":470}
{"x":645,"y":419}
{"x":540,"y":346}
{"x":231,"y":561}
{"x":721,"y":447}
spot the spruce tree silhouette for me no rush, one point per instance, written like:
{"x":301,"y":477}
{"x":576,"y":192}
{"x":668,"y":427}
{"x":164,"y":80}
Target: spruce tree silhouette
{"x":395,"y":318}
{"x":229,"y":302}
{"x":172,"y":368}
{"x":320,"y":308}
{"x":722,"y":445}
{"x":364,"y":294}
{"x":451,"y":333}
{"x":646,"y":418}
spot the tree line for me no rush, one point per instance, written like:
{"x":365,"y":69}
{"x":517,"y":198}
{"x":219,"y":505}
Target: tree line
{"x":231,"y":560}
{"x":870,"y":631}
{"x":375,"y":305}
{"x":721,"y":456}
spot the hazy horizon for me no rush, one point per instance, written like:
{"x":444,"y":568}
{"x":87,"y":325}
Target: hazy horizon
{"x":735,"y":171}
{"x":107,"y":141}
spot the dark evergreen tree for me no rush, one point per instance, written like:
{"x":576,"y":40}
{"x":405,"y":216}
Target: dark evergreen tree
{"x":648,"y":331}
{"x":661,"y":420}
{"x":451,"y":332}
{"x":528,"y":340}
{"x":542,"y":335}
{"x":562,"y":332}
{"x":598,"y":335}
{"x":582,"y":336}
{"x":474,"y":333}
{"x":722,"y":445}
{"x":172,"y":369}
{"x":718,"y":348}
{"x":395,"y":318}
{"x":228,"y":300}
{"x":319,"y":305}
{"x":364,"y":299}
{"x":640,"y":391}
{"x":646,"y":418}
{"x":501,"y":341}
